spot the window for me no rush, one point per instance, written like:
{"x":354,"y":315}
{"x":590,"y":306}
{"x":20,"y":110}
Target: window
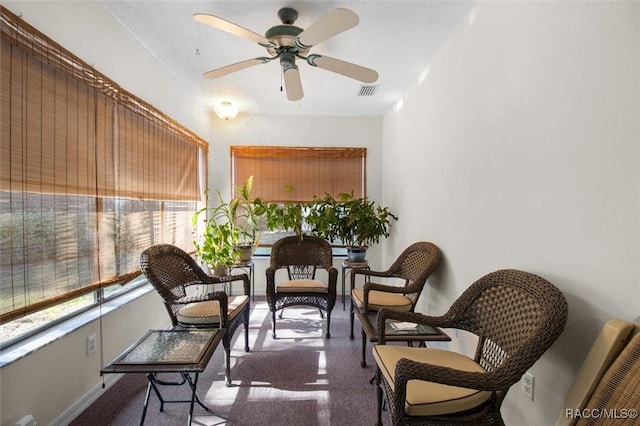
{"x":297,"y":174}
{"x":90,"y":175}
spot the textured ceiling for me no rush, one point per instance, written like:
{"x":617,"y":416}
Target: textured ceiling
{"x":396,"y":38}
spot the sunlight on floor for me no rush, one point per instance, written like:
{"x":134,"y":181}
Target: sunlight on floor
{"x":300,"y":328}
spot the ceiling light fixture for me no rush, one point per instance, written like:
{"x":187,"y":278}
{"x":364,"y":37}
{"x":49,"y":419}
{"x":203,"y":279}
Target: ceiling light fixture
{"x":226,"y":110}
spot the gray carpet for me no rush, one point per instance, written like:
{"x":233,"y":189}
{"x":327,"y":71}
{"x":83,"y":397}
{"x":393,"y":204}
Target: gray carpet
{"x":300,"y":378}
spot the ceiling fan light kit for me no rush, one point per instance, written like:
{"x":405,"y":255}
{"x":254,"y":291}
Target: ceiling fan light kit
{"x":288,"y":42}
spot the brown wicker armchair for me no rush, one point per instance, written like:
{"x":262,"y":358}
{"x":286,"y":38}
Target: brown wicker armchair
{"x":414,"y":265}
{"x":516,"y":315}
{"x":301,"y":258}
{"x":172,"y":271}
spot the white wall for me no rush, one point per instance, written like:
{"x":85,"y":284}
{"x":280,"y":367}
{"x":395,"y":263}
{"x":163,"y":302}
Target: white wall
{"x":59,"y":379}
{"x":521,"y":149}
{"x":50,"y":381}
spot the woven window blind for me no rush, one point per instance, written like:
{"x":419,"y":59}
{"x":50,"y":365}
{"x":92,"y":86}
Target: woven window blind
{"x":297,"y":174}
{"x":90,"y":175}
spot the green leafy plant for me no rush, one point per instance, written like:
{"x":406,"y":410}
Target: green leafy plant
{"x":227,"y":227}
{"x":357,"y":222}
{"x":245,"y":212}
{"x":288,"y":216}
{"x":216,"y":246}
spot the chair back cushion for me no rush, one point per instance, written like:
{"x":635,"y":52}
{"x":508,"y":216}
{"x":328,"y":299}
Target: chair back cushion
{"x":208,"y":312}
{"x":430,"y":398}
{"x":382,"y":299}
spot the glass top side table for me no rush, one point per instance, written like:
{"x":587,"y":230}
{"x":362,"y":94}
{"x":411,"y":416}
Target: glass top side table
{"x":184,"y":351}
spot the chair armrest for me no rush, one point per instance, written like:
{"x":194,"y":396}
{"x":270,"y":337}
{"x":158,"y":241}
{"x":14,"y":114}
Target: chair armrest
{"x":246,"y":284}
{"x":271,"y":286}
{"x":363,"y":271}
{"x":407,"y":369}
{"x":368,"y":273}
{"x":333,"y":277}
{"x":211,"y":280}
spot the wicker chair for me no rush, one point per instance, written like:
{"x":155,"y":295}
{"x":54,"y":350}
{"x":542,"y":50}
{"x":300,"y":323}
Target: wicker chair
{"x":172,"y":271}
{"x":608,"y":379}
{"x":301,"y":257}
{"x":414,"y":265}
{"x":515,"y":315}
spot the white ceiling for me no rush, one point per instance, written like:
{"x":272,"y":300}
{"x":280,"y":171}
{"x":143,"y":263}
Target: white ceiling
{"x":396,"y":38}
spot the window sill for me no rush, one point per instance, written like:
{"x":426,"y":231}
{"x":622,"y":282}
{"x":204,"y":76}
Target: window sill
{"x":32,"y":344}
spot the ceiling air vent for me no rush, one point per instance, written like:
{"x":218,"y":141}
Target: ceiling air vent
{"x":368,"y":90}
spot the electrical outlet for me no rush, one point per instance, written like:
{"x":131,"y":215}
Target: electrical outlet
{"x":91,"y":344}
{"x":527,"y":385}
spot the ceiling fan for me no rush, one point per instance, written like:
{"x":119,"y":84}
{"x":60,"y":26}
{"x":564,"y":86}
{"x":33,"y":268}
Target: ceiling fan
{"x":287,"y":42}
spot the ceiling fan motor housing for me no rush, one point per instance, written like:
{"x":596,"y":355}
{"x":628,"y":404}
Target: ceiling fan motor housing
{"x":288,"y":15}
{"x":284,"y":35}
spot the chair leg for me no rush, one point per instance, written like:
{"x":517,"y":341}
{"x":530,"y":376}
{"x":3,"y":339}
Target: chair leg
{"x":273,"y":322}
{"x":226,"y":342}
{"x":246,"y":331}
{"x":351,"y":318}
{"x":379,"y":397}
{"x":328,"y":335}
{"x":363,"y":362}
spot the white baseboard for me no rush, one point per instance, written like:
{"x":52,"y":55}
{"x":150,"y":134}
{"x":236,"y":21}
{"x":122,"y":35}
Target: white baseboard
{"x":89,"y":398}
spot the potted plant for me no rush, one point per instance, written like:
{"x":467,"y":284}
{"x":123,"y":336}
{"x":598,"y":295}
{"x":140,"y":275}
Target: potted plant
{"x":357,"y":222}
{"x":216,"y":247}
{"x":244,"y":212}
{"x":230,"y":231}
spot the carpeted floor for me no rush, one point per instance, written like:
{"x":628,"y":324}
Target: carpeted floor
{"x":300,"y":378}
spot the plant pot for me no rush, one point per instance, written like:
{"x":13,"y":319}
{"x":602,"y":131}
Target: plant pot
{"x":356,"y":254}
{"x":219,"y":271}
{"x":245,"y":251}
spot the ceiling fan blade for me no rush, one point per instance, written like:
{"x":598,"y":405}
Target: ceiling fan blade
{"x":357,"y":72}
{"x":230,"y":27}
{"x":293,"y":84}
{"x":334,"y":23}
{"x":219,"y":72}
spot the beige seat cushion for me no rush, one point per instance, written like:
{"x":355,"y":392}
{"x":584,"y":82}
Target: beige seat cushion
{"x":427,"y":398}
{"x":381,"y":299}
{"x":302,"y":286}
{"x":208,"y":312}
